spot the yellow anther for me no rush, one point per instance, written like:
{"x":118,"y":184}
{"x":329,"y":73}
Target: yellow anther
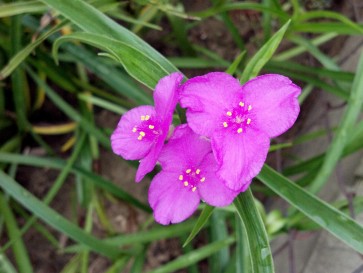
{"x":180,"y":177}
{"x":249,"y":107}
{"x":229,"y":113}
{"x":142,"y":134}
{"x":239,"y":130}
{"x":139,"y":137}
{"x":197,"y":171}
{"x":147,"y":117}
{"x":188,"y":171}
{"x":134,"y":129}
{"x":203,"y":179}
{"x":151,"y":127}
{"x":142,"y":117}
{"x":225,"y":125}
{"x":248,"y":121}
{"x":241,"y":104}
{"x":186,"y":183}
{"x":194,"y":189}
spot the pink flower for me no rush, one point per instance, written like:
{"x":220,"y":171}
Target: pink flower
{"x":141,"y":132}
{"x":240,"y":120}
{"x":188,"y":175}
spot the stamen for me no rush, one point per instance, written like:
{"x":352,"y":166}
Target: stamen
{"x":229,"y":113}
{"x":186,"y":183}
{"x":241,"y":104}
{"x":203,"y":179}
{"x":197,"y":171}
{"x":225,"y":125}
{"x":147,"y":117}
{"x":142,"y":117}
{"x":151,"y":127}
{"x":249,"y":107}
{"x":194,"y":189}
{"x":139,"y":137}
{"x":134,"y":129}
{"x":248,"y":121}
{"x":180,"y":177}
{"x":239,"y":130}
{"x":142,"y":134}
{"x":188,"y":171}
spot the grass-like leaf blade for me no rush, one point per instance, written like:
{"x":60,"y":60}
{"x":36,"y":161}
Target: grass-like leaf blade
{"x":202,"y":220}
{"x":259,"y":246}
{"x":326,"y":216}
{"x":94,"y":21}
{"x":136,"y":62}
{"x":54,"y":219}
{"x":258,"y":61}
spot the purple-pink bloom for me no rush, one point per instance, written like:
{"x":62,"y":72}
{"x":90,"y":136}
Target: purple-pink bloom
{"x":187,"y":175}
{"x":240,"y":120}
{"x":141,"y":132}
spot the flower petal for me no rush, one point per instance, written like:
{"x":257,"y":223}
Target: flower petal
{"x":184,"y":149}
{"x":206,"y":98}
{"x":171,"y":202}
{"x":124,"y":141}
{"x":213,"y":190}
{"x":166,"y":95}
{"x":148,"y":163}
{"x":240,"y":156}
{"x":274,"y":103}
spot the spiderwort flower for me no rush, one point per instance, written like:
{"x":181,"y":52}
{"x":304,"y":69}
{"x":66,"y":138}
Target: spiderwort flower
{"x":141,"y":132}
{"x":240,"y":120}
{"x":188,"y":175}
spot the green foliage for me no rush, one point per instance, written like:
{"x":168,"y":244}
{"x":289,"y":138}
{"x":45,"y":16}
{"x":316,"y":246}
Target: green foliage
{"x":83,"y":59}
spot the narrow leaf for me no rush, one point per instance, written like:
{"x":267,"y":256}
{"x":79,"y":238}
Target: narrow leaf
{"x":193,"y":256}
{"x":136,"y":63}
{"x":94,"y":21}
{"x":263,"y":55}
{"x":259,"y":246}
{"x":202,"y":220}
{"x":54,"y":219}
{"x":326,"y":216}
{"x":345,"y":128}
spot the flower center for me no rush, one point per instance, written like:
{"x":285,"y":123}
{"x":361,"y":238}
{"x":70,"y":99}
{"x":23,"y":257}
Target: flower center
{"x":237,"y":118}
{"x":147,"y":129}
{"x":191,"y":178}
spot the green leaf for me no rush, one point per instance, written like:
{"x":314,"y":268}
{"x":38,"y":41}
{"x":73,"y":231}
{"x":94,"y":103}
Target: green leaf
{"x":218,"y":230}
{"x":326,"y":216}
{"x":325,"y":60}
{"x":295,"y":51}
{"x":243,"y":256}
{"x":323,"y":27}
{"x":99,"y":181}
{"x":70,"y":111}
{"x":136,"y":62}
{"x":258,"y":61}
{"x":193,"y":256}
{"x":330,"y":15}
{"x":22,"y":54}
{"x":241,"y":6}
{"x":152,"y":235}
{"x":20,"y":252}
{"x":259,"y":246}
{"x":112,"y":107}
{"x":5,"y":265}
{"x":233,"y":67}
{"x":54,"y":219}
{"x":93,"y":21}
{"x":12,"y":9}
{"x":343,"y":133}
{"x":202,"y":220}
